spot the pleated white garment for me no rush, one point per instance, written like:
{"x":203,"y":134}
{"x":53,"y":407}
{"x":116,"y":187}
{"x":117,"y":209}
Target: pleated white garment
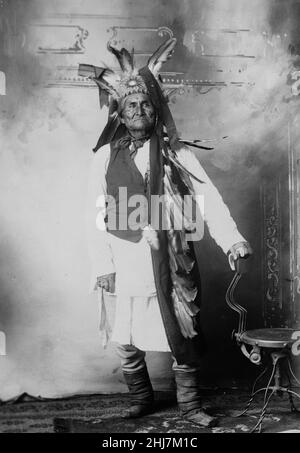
{"x":137,"y":318}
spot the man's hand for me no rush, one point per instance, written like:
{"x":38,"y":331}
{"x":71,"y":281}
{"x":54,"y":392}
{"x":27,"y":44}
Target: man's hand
{"x":106,"y":282}
{"x":239,"y":250}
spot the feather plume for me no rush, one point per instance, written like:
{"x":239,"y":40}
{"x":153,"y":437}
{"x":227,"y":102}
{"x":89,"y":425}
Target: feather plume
{"x":107,"y":81}
{"x":109,"y":131}
{"x":185,"y":320}
{"x":161,"y":55}
{"x":187,"y":293}
{"x":179,"y":166}
{"x":177,"y":184}
{"x":182,"y":263}
{"x":124,"y":58}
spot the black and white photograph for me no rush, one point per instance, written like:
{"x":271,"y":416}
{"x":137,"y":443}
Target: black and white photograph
{"x":150,"y":219}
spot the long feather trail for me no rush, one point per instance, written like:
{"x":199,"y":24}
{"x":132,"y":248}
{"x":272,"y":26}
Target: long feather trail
{"x":176,"y":184}
{"x":161,"y":55}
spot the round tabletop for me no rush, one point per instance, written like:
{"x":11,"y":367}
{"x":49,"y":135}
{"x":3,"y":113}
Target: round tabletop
{"x":268,"y":338}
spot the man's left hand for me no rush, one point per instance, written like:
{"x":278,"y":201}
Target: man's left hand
{"x":239,"y":250}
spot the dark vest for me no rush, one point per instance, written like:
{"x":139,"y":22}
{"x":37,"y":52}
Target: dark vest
{"x":124,"y":183}
{"x":122,"y":172}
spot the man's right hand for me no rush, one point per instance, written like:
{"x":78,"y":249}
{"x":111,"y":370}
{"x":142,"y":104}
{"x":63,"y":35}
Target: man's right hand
{"x":106,"y":282}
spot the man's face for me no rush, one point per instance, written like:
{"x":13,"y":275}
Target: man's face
{"x":138,"y":113}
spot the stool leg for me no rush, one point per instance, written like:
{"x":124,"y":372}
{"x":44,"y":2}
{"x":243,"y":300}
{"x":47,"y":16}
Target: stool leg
{"x":253,"y":393}
{"x":263,"y":413}
{"x":293,"y":407}
{"x":292,"y":372}
{"x":291,"y":394}
{"x":276,"y":385}
{"x":275,"y":374}
{"x":289,"y":372}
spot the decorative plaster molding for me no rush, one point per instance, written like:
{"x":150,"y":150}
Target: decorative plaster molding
{"x":2,"y":83}
{"x":115,"y":40}
{"x":84,"y":16}
{"x":175,"y":83}
{"x":295,"y":89}
{"x":64,"y":39}
{"x":71,"y":39}
{"x":197,"y":37}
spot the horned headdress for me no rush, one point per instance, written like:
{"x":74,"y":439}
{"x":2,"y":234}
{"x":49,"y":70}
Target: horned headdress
{"x":114,"y":86}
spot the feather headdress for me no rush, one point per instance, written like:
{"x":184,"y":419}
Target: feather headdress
{"x":126,"y":81}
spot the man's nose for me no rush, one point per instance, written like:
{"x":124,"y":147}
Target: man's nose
{"x":139,"y":109}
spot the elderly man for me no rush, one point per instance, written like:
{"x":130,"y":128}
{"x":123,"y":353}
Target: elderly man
{"x":147,"y":260}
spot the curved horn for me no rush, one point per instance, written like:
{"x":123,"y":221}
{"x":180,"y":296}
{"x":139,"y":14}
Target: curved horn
{"x":161,"y":55}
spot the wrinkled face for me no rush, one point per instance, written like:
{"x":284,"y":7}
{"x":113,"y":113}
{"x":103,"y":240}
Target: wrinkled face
{"x":138,"y":113}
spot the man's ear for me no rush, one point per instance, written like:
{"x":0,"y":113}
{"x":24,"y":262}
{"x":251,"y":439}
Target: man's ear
{"x":120,"y":110}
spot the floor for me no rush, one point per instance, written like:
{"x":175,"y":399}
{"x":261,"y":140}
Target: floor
{"x":101,"y":413}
